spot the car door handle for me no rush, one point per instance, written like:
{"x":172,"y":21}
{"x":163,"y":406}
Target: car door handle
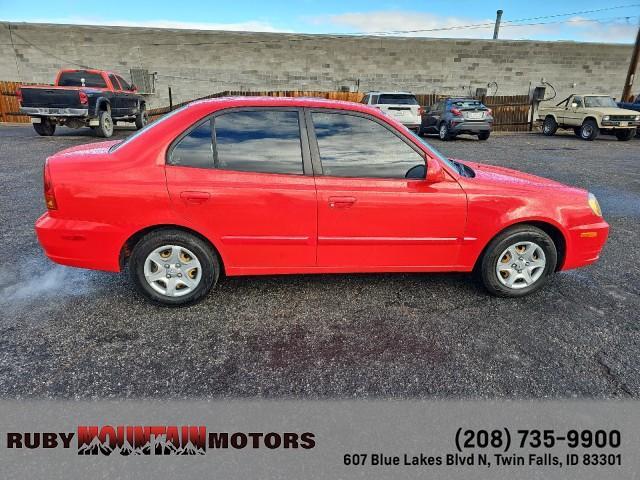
{"x":341,"y":202}
{"x":195,"y":197}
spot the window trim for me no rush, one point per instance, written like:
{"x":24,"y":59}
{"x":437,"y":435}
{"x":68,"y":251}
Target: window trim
{"x":315,"y":149}
{"x":115,"y":85}
{"x":307,"y":169}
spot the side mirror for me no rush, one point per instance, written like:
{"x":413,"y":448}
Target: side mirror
{"x":134,"y":88}
{"x":574,"y":105}
{"x":435,"y":172}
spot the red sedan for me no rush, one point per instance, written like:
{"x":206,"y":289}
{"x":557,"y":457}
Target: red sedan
{"x":252,"y":186}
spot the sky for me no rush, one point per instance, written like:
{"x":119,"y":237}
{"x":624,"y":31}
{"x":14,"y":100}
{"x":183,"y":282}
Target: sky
{"x":615,"y":22}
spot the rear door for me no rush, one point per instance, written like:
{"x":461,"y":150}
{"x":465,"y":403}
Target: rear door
{"x":129,"y":99}
{"x":375,"y":210}
{"x":433,"y":116}
{"x":251,"y":188}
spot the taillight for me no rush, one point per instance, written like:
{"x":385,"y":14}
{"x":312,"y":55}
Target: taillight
{"x":456,"y":112}
{"x":49,"y":194}
{"x":84,"y":100}
{"x":19,"y":95}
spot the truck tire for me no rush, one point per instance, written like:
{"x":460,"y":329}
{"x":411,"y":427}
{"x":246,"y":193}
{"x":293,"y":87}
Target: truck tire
{"x":589,"y":130}
{"x":550,"y":126}
{"x":142,"y":118}
{"x":46,"y":127}
{"x":625,"y":135}
{"x":105,"y":126}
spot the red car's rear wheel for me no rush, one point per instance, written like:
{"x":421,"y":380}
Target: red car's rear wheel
{"x":173,"y":267}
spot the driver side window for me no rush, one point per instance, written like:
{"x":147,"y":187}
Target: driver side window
{"x":354,"y":146}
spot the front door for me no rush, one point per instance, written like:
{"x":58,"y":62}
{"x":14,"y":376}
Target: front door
{"x":248,"y":190}
{"x":374,"y":207}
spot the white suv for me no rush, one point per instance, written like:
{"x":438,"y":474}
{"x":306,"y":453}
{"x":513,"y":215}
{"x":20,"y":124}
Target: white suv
{"x":402,"y":106}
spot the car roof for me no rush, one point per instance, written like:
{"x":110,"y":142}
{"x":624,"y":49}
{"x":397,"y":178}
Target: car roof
{"x":377,"y":92}
{"x":259,"y":101}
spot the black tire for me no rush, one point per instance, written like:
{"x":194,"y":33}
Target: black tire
{"x":510,"y":237}
{"x":142,"y":118}
{"x":589,"y":130}
{"x":105,"y":124}
{"x":625,"y":135}
{"x":550,"y":126}
{"x":45,"y":128}
{"x":203,"y":252}
{"x":576,"y":131}
{"x":419,"y":131}
{"x":443,"y":132}
{"x":483,"y":135}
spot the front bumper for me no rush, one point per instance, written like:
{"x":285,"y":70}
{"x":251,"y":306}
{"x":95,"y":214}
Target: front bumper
{"x":55,"y":112}
{"x":620,"y":124}
{"x":82,"y":244}
{"x":584,"y":244}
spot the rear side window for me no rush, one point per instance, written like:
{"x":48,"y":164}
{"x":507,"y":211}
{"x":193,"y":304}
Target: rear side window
{"x":195,"y":149}
{"x":352,"y":146}
{"x":114,"y":82}
{"x":75,"y":79}
{"x":264,"y":141}
{"x":397,"y":99}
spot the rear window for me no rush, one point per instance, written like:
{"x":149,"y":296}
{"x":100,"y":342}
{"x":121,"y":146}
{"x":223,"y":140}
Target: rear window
{"x":467,"y":104}
{"x":75,"y":79}
{"x":397,"y":99}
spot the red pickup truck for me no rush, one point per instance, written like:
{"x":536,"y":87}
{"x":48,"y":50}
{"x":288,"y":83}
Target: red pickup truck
{"x":83,"y":98}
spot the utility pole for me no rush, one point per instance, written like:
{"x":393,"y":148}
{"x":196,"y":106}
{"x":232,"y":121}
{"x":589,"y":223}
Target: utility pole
{"x":631,"y":73}
{"x":496,"y":29}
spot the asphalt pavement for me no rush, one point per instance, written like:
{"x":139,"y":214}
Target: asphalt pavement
{"x":70,"y":333}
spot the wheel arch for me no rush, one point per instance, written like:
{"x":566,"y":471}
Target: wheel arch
{"x":548,"y":227}
{"x":132,"y":241}
{"x":591,"y":117}
{"x":103,"y":105}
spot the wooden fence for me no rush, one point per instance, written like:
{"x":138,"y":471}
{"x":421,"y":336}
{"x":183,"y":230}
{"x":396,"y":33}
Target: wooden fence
{"x":9,"y":106}
{"x":511,"y":113}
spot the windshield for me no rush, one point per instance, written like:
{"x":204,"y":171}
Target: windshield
{"x":398,"y":99}
{"x":599,"y":102}
{"x":147,"y":128}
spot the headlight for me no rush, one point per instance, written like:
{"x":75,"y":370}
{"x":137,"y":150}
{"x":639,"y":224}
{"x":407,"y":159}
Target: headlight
{"x":605,"y":118}
{"x":637,"y":117}
{"x":595,"y":206}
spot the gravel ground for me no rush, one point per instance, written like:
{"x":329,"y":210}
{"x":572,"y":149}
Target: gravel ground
{"x":68,"y":333}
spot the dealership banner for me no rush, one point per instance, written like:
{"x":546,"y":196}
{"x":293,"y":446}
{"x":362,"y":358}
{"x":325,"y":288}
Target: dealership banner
{"x":320,"y":439}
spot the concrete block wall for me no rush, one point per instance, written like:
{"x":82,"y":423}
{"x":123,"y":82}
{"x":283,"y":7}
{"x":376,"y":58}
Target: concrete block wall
{"x":197,"y":63}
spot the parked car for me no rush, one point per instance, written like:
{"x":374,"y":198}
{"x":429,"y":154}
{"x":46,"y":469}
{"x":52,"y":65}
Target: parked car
{"x":633,"y":105}
{"x":83,"y":98}
{"x":453,"y":116}
{"x":588,"y":116}
{"x":255,"y":186}
{"x":403,"y":106}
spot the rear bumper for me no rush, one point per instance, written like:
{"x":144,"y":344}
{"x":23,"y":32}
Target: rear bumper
{"x":55,"y":112}
{"x":470,"y":127}
{"x":80,"y":244}
{"x":584,"y":244}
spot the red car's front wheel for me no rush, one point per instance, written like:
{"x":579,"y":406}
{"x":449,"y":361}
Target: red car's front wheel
{"x":519,"y":261}
{"x":173,"y":267}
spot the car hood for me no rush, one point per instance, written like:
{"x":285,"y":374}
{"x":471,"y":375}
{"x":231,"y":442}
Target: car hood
{"x":508,"y":178}
{"x":612,"y":111}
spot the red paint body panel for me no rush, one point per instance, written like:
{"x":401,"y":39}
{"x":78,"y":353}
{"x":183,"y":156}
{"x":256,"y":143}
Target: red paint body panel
{"x":271,"y":223}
